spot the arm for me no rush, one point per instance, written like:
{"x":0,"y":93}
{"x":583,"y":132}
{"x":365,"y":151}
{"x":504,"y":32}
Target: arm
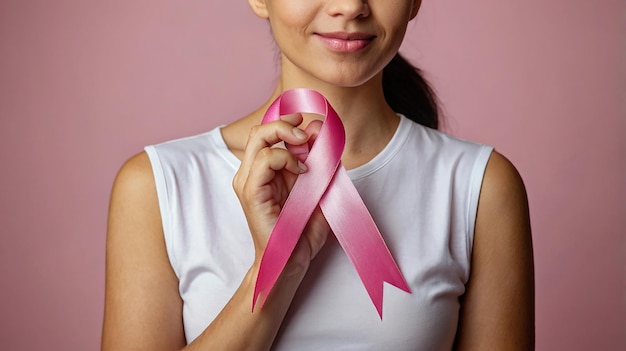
{"x":143,"y":309}
{"x":497,"y":310}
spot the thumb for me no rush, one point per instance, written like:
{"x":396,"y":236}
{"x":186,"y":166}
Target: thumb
{"x":302,"y":151}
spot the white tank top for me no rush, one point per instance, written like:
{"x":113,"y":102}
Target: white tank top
{"x":422,"y":190}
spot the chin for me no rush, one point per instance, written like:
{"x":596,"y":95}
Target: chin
{"x":346,"y":80}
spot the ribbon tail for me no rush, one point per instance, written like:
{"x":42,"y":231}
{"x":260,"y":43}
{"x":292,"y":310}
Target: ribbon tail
{"x":359,"y":237}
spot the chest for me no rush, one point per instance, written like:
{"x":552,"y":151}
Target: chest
{"x":331,"y":309}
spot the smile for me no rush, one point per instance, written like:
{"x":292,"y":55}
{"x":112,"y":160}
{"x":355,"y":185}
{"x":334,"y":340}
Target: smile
{"x":345,"y":42}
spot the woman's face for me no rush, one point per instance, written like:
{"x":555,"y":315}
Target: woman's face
{"x":339,"y":42}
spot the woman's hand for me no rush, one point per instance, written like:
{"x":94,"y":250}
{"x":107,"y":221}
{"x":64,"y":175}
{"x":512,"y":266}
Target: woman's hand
{"x":265,"y":179}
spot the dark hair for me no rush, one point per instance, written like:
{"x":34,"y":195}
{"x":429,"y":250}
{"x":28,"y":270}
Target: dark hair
{"x":408,"y":93}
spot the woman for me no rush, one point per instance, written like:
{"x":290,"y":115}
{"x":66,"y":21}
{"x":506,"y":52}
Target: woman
{"x":184,"y":248}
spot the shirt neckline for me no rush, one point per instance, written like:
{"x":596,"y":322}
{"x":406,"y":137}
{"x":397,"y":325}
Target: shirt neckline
{"x":386,"y":154}
{"x":377,"y":162}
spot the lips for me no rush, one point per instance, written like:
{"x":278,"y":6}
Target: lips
{"x":346,"y":42}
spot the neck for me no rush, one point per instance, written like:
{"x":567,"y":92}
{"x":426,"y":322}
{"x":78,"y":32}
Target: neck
{"x":368,"y":120}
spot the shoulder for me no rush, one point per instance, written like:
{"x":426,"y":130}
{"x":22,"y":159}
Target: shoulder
{"x":503,"y":218}
{"x":503,"y":189}
{"x":179,"y":156}
{"x":134,"y":188}
{"x":136,"y":169}
{"x":135,"y":173}
{"x":442,"y":144}
{"x":198,"y":143}
{"x":461,"y":161}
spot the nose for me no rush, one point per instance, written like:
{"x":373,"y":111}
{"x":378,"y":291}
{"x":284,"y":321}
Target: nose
{"x":350,"y":9}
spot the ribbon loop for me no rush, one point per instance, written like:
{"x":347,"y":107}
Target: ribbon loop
{"x":326,"y":183}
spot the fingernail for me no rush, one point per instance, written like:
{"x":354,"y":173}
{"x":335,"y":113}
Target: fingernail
{"x":299,"y":133}
{"x":303,"y":167}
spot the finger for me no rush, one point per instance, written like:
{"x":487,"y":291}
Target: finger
{"x":268,"y":162}
{"x":295,"y":119}
{"x":312,"y":130}
{"x":272,"y":133}
{"x":266,"y":135}
{"x":302,"y":151}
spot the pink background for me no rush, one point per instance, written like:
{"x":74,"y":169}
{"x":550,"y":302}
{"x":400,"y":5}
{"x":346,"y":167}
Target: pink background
{"x":85,"y":84}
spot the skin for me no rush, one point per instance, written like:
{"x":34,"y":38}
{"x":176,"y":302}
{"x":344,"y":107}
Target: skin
{"x":143,"y":310}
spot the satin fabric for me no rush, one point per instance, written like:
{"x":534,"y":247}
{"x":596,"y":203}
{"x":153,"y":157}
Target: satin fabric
{"x":326,"y":183}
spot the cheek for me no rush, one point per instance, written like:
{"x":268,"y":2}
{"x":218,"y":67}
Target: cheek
{"x":398,"y":24}
{"x":291,"y":13}
{"x":393,"y":15}
{"x":400,"y":31}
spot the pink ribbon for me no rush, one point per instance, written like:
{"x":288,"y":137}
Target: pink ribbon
{"x":326,"y":183}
